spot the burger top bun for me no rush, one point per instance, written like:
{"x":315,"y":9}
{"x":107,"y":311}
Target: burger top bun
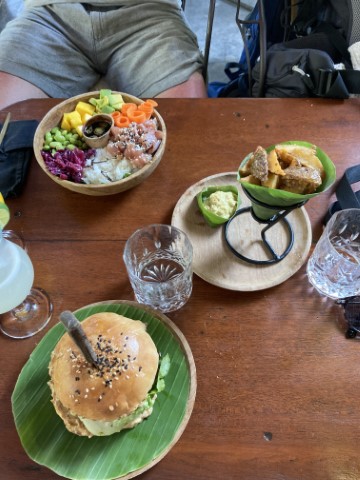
{"x":127,"y":359}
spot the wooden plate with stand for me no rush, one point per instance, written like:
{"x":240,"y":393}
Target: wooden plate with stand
{"x":213,"y":260}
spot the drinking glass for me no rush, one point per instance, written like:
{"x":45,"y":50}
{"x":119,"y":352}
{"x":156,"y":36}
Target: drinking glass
{"x":334,"y":267}
{"x":24,"y":310}
{"x":158,"y":259}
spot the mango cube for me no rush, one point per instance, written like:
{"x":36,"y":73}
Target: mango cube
{"x":74,"y":119}
{"x":65,"y":123}
{"x":84,"y":108}
{"x":86,"y":117}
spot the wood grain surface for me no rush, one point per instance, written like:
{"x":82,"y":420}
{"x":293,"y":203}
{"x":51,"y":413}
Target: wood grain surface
{"x":278,"y":385}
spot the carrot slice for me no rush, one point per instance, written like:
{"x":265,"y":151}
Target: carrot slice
{"x":122,"y":121}
{"x":147,"y":108}
{"x":116,"y":115}
{"x":152,"y":102}
{"x":128,"y":106}
{"x":136,"y":116}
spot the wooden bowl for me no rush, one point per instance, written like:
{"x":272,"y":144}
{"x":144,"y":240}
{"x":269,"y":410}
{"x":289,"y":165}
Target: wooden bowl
{"x":53,"y":119}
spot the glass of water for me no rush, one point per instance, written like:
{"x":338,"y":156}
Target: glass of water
{"x":334,"y":267}
{"x":158,"y":260}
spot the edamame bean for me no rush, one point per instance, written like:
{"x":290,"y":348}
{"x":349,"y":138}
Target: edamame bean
{"x":59,"y":139}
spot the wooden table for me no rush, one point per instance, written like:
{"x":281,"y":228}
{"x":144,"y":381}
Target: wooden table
{"x":278,"y":383}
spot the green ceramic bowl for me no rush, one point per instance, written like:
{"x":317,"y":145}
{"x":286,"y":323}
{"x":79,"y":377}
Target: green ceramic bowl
{"x":211,"y":218}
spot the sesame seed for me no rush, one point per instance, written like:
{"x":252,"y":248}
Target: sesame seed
{"x":111,"y":408}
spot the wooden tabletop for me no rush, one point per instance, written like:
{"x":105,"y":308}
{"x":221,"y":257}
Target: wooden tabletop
{"x":278,"y":383}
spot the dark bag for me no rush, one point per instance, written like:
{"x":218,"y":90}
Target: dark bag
{"x":303,"y":63}
{"x":240,"y":72}
{"x":299,"y":73}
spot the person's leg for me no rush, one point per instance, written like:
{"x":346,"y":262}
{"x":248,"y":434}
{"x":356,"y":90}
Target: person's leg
{"x":46,"y":61}
{"x":195,"y":87}
{"x":14,"y":89}
{"x":155,"y":53}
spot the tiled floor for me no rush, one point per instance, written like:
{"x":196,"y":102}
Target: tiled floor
{"x":226,"y":42}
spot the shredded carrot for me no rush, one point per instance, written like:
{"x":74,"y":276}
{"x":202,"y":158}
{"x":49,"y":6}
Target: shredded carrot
{"x":128,"y":106}
{"x":136,"y":116}
{"x":152,"y":102}
{"x":122,"y":121}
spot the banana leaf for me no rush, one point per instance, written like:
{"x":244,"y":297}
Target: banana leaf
{"x":124,"y":454}
{"x":282,"y":198}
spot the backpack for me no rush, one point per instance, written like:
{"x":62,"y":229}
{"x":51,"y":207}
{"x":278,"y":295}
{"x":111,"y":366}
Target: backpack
{"x":293,"y":51}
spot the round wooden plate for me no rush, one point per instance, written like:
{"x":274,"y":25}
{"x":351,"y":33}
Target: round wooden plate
{"x":213,"y":260}
{"x":122,"y":455}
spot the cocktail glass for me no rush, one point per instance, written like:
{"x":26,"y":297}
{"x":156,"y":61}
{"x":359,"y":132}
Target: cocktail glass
{"x":24,"y":309}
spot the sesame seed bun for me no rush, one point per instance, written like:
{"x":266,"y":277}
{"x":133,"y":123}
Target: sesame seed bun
{"x":128,"y":363}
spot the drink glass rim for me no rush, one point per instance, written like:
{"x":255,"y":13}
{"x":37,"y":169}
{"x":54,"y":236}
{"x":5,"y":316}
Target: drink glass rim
{"x":328,"y":227}
{"x":127,"y":257}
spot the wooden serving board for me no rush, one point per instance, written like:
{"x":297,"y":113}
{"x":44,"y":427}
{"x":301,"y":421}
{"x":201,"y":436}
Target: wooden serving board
{"x":213,"y":260}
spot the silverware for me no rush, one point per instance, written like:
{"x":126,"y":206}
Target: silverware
{"x":74,"y":328}
{"x":4,"y":127}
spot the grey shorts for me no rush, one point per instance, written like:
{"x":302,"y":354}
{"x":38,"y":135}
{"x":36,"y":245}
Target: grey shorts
{"x":65,"y":49}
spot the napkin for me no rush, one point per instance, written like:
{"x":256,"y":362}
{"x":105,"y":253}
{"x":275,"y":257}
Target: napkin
{"x":16,"y":152}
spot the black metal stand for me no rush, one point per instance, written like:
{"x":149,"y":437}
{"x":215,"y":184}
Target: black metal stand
{"x":279,"y":216}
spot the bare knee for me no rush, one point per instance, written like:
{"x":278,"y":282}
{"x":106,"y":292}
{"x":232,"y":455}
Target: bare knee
{"x":194,"y":87}
{"x":15,"y":89}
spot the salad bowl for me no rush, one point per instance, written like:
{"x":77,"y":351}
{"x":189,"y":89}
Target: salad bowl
{"x":54,"y":119}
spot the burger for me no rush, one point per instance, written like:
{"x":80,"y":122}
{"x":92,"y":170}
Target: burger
{"x":116,"y":393}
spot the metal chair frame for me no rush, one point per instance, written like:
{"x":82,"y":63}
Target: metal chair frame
{"x":209,"y":28}
{"x":242,"y":24}
{"x":289,"y":12}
